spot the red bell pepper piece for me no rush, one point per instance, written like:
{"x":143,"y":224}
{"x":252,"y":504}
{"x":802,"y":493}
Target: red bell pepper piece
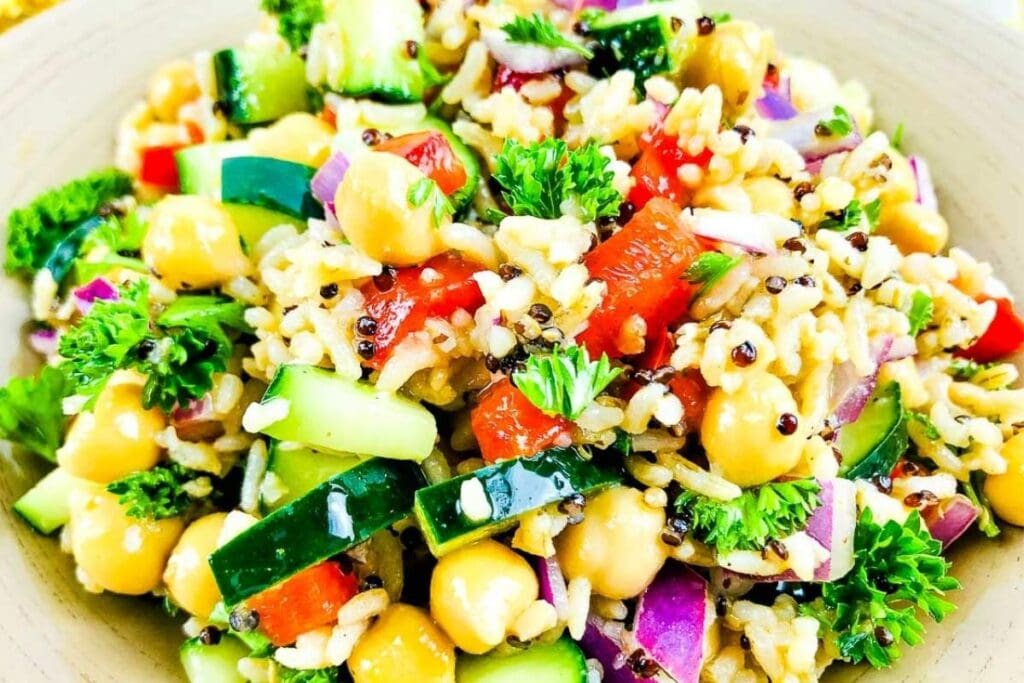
{"x":657,"y":170}
{"x":159,"y":167}
{"x":688,"y":386}
{"x":506,"y":77}
{"x":430,"y":152}
{"x":306,"y":601}
{"x":1004,"y":336}
{"x":506,"y":425}
{"x":643,"y":266}
{"x":404,"y":306}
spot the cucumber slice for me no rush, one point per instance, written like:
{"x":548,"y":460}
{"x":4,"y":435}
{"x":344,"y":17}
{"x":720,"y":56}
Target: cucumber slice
{"x":559,"y":662}
{"x":375,"y":37}
{"x":253,"y":222}
{"x":873,"y":444}
{"x":66,"y":252}
{"x":512,"y":488}
{"x":340,"y":513}
{"x":199,"y":165}
{"x":300,"y":470}
{"x":646,"y":40}
{"x":45,"y":506}
{"x":328,"y":412}
{"x":274,"y":184}
{"x":213,"y":663}
{"x":260,"y":84}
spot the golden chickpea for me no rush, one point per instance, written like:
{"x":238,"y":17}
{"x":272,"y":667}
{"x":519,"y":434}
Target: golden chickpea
{"x":734,"y":57}
{"x":477,"y":593}
{"x":404,"y":645}
{"x":914,"y":228}
{"x":1006,"y":491}
{"x":617,"y":546}
{"x":770,"y":195}
{"x":192,"y":243}
{"x":375,"y":213}
{"x":299,"y":137}
{"x":188,"y":575}
{"x":747,"y":434}
{"x":117,"y":437}
{"x":115,"y":552}
{"x":173,"y":86}
{"x":900,"y":185}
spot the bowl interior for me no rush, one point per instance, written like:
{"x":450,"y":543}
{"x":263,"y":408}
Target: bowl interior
{"x":68,"y":76}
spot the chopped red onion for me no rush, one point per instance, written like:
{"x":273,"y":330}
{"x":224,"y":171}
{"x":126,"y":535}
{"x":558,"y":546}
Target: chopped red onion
{"x":529,"y":59}
{"x":44,"y":341}
{"x":99,"y":289}
{"x":599,"y":4}
{"x":755,"y":232}
{"x":775,"y":106}
{"x":197,"y":420}
{"x":799,"y":132}
{"x":553,"y":588}
{"x":671,"y":622}
{"x":850,"y":392}
{"x":603,"y":641}
{"x":325,"y":183}
{"x":925,"y":187}
{"x":951,"y":520}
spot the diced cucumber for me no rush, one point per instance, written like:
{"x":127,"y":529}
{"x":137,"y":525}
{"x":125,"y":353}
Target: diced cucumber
{"x":375,"y":38}
{"x":274,"y":184}
{"x":464,"y":196}
{"x":327,"y":411}
{"x":873,"y":444}
{"x":84,"y":272}
{"x":45,"y":505}
{"x":512,"y":489}
{"x":213,"y":663}
{"x":260,"y":84}
{"x":559,"y":662}
{"x":199,"y":165}
{"x":66,"y":252}
{"x":258,"y":644}
{"x":298,"y":470}
{"x":341,"y":513}
{"x":253,"y":222}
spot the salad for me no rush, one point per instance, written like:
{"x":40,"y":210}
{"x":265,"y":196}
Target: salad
{"x":565,"y":341}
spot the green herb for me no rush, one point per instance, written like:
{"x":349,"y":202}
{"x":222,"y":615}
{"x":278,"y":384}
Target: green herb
{"x":540,"y":177}
{"x":758,"y":515}
{"x":974,"y":490}
{"x":623,"y":442}
{"x":155,"y":493}
{"x":426,"y":189}
{"x":709,"y":269}
{"x":431,"y":76}
{"x":930,"y":430}
{"x":295,"y":18}
{"x":898,"y":568}
{"x":492,"y":215}
{"x":122,"y":236}
{"x":965,"y":370}
{"x":540,"y":31}
{"x":420,"y":191}
{"x":921,"y":313}
{"x":853,"y":216}
{"x":286,"y":675}
{"x":721,"y":17}
{"x":591,"y":14}
{"x":170,"y":608}
{"x":840,"y":125}
{"x":33,"y":231}
{"x":31,"y":413}
{"x":897,"y":137}
{"x":565,"y":382}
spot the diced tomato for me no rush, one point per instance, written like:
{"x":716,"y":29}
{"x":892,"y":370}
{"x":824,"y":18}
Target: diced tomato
{"x":689,"y":386}
{"x":657,"y":170}
{"x":329,"y":116}
{"x":1004,"y":336}
{"x":411,"y":298}
{"x":159,"y":167}
{"x":430,"y":152}
{"x":306,"y":601}
{"x":643,"y":266}
{"x":195,"y":133}
{"x":507,"y":425}
{"x":506,"y":77}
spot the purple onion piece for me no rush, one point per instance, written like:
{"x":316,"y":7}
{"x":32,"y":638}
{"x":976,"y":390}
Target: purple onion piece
{"x":553,"y":588}
{"x":327,"y":179}
{"x":601,"y":642}
{"x":799,"y":132}
{"x":526,"y":58}
{"x":44,"y":341}
{"x":671,"y":620}
{"x":775,"y":106}
{"x":99,"y":289}
{"x":850,"y":392}
{"x":599,"y":4}
{"x":951,"y":520}
{"x":925,"y":187}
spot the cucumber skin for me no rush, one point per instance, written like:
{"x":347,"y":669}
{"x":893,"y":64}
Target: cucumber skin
{"x":257,"y":102}
{"x":253,"y":222}
{"x":337,"y":515}
{"x":199,"y":166}
{"x":880,"y":458}
{"x":513,"y":487}
{"x":63,"y":257}
{"x":273,"y":184}
{"x":302,"y":469}
{"x":213,"y":663}
{"x":559,"y":662}
{"x":644,"y":46}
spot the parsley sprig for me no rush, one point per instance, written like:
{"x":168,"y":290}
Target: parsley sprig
{"x":758,"y":515}
{"x":426,"y":189}
{"x":31,"y":413}
{"x":537,"y":30}
{"x":540,"y":177}
{"x":565,"y":381}
{"x":839,"y":124}
{"x":965,"y":370}
{"x":921,"y":312}
{"x":295,"y":18}
{"x":974,"y":489}
{"x":155,"y":494}
{"x":898,"y":569}
{"x":853,"y":216}
{"x":709,"y":269}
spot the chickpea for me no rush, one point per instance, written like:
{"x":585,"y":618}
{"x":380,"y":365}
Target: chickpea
{"x":117,"y":437}
{"x":192,"y":243}
{"x":1006,"y":491}
{"x":914,"y":228}
{"x":375,"y":213}
{"x":299,"y":137}
{"x":900,"y":185}
{"x":477,"y":593}
{"x":116,"y":552}
{"x":746,"y":435}
{"x":404,"y":645}
{"x":734,"y":57}
{"x":173,"y":86}
{"x":188,"y":575}
{"x":770,"y":195}
{"x":617,"y":546}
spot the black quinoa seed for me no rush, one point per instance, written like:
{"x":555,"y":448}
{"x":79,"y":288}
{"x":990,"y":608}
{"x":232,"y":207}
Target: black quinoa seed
{"x":329,"y":291}
{"x":412,"y":48}
{"x":822,"y":131}
{"x":641,"y":665}
{"x":883,"y":483}
{"x":721,"y":606}
{"x":671,"y":539}
{"x":664,"y":374}
{"x":677,"y":23}
{"x":371,"y":137}
{"x":366,"y":349}
{"x":626,"y":212}
{"x":678,"y":525}
{"x":372,"y":581}
{"x":573,"y":507}
{"x":518,"y":644}
{"x":721,"y":325}
{"x":884,"y":636}
{"x":643,"y":376}
{"x":775,"y":284}
{"x":210,"y":635}
{"x":386,"y":279}
{"x":366,"y":326}
{"x":244,"y":620}
{"x":854,"y":289}
{"x":508,"y":271}
{"x":805,"y":281}
{"x":705,"y":26}
{"x":145,"y":347}
{"x":492,"y":363}
{"x":858,"y":240}
{"x":744,"y":641}
{"x":746,"y":132}
{"x":787,"y":424}
{"x":779,"y":548}
{"x":744,"y":355}
{"x":541,"y":313}
{"x":794,"y":244}
{"x":220,"y":107}
{"x":581,"y":28}
{"x":920,"y":499}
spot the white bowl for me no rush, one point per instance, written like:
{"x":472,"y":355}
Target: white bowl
{"x":67,"y":76}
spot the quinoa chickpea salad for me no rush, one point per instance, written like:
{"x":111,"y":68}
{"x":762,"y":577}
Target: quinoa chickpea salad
{"x":574,"y":341}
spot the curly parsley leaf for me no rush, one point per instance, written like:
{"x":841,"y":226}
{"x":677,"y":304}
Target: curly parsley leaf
{"x":839,"y":125}
{"x":758,"y":515}
{"x":286,"y":675}
{"x":155,"y":494}
{"x":965,"y":370}
{"x":31,"y":413}
{"x":921,"y":312}
{"x":565,"y":382}
{"x":35,"y":230}
{"x":537,"y":30}
{"x":709,"y":269}
{"x":898,"y":569}
{"x":426,"y":189}
{"x":974,"y":490}
{"x":928,"y":427}
{"x":897,"y":136}
{"x":721,"y":17}
{"x":295,"y":18}
{"x":853,"y":216}
{"x":540,"y":177}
